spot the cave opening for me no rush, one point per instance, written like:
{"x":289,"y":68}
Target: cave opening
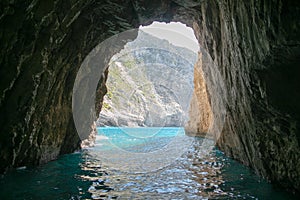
{"x":150,"y":81}
{"x":150,"y":85}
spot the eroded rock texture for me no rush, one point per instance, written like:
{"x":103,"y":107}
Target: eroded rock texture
{"x":200,"y":111}
{"x":43,"y":44}
{"x":254,"y":44}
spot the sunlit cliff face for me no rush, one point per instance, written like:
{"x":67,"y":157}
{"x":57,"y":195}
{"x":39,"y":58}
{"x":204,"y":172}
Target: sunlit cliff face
{"x":150,"y":82}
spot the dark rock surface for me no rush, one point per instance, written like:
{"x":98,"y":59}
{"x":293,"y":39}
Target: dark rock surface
{"x":254,"y":44}
{"x":43,"y":44}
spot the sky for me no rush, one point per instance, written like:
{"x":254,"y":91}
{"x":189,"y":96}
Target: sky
{"x":175,"y":32}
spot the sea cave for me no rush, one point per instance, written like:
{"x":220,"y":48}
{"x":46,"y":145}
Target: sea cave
{"x":233,"y":103}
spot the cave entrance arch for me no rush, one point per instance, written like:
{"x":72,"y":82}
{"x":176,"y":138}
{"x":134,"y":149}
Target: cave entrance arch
{"x":150,"y":81}
{"x":90,"y":84}
{"x":149,"y":89}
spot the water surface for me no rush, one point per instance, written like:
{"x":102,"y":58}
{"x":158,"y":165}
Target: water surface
{"x":84,"y":175}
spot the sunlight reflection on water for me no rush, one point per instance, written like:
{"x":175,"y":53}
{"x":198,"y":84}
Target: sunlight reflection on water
{"x":83,"y":175}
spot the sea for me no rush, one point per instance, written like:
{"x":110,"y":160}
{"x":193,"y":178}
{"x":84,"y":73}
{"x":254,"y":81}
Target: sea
{"x":141,"y":163}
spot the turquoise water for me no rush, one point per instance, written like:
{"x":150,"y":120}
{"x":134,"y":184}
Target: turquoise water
{"x":84,"y":175}
{"x":137,"y":139}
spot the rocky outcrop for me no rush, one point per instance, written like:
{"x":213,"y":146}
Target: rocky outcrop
{"x":253,"y":44}
{"x":139,"y":94}
{"x":200,"y":112}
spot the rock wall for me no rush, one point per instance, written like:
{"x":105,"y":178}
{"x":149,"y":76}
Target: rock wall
{"x":43,"y":44}
{"x":254,"y":44}
{"x":256,"y":47}
{"x":200,"y":112}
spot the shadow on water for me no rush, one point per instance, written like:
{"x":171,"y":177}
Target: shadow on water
{"x":82,"y":176}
